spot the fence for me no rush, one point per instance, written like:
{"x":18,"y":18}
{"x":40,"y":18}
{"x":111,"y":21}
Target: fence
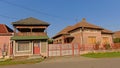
{"x":116,"y":46}
{"x":66,"y":49}
{"x":77,"y":49}
{"x":0,"y":52}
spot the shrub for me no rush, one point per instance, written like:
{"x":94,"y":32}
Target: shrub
{"x":97,"y":44}
{"x":116,"y":40}
{"x":107,"y":46}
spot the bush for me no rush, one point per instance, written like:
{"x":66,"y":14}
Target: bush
{"x":116,"y":40}
{"x":107,"y":46}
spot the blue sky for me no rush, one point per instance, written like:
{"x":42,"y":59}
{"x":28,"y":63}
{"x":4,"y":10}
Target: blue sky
{"x":61,"y":13}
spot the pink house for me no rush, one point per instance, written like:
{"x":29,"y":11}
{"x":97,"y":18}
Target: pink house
{"x":5,"y":35}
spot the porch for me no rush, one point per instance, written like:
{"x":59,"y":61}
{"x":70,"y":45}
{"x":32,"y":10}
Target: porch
{"x":28,"y":47}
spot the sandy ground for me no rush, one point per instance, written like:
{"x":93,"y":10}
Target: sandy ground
{"x":72,"y":62}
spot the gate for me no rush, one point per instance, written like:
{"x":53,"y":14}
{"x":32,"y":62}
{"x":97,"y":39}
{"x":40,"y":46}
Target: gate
{"x":63,"y":49}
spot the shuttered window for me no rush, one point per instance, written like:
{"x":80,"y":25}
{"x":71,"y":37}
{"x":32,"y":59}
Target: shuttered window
{"x":91,"y":40}
{"x":105,"y":40}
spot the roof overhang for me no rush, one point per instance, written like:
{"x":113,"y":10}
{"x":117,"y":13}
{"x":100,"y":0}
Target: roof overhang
{"x":29,"y":37}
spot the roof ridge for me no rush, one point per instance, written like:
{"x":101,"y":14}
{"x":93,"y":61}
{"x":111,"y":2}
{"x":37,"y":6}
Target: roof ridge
{"x":30,"y":21}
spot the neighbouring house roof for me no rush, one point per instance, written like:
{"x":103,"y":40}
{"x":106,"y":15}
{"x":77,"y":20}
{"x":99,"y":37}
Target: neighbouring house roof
{"x":116,"y":34}
{"x":64,"y":31}
{"x":30,"y":21}
{"x":106,"y":31}
{"x":81,"y":24}
{"x":29,"y":37}
{"x":85,"y":24}
{"x":5,"y":30}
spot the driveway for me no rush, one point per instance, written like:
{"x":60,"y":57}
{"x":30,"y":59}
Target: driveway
{"x":72,"y":62}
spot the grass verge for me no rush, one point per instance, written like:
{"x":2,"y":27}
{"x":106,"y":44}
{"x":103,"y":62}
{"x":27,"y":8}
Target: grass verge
{"x":102,"y":55}
{"x":14,"y":62}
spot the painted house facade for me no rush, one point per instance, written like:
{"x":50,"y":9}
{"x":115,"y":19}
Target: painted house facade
{"x":5,"y":35}
{"x":30,"y":37}
{"x":84,"y":33}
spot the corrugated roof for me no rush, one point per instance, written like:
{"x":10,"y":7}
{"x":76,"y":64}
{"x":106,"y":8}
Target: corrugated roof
{"x":30,"y":21}
{"x":5,"y":29}
{"x":85,"y":24}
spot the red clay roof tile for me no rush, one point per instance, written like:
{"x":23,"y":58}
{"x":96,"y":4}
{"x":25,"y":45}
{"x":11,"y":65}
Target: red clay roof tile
{"x":5,"y":29}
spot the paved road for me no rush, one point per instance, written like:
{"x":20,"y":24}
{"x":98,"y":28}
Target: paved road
{"x":72,"y":62}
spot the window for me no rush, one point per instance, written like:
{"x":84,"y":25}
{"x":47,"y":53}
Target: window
{"x":105,"y":40}
{"x":60,"y":41}
{"x":23,"y":46}
{"x":91,"y":40}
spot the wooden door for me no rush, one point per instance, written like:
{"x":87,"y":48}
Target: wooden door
{"x":36,"y":47}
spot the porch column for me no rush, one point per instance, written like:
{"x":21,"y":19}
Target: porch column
{"x":14,"y":47}
{"x":14,"y":30}
{"x":82,"y":38}
{"x":40,"y":46}
{"x":31,"y":30}
{"x":32,"y":47}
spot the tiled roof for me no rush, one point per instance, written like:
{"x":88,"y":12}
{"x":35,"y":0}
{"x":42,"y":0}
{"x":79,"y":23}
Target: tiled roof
{"x":5,"y":29}
{"x":81,"y":24}
{"x":105,"y":31}
{"x":64,"y":31}
{"x":85,"y":24}
{"x":117,"y":34}
{"x":30,"y":21}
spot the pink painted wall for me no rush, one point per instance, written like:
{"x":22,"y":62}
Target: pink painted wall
{"x":4,"y":40}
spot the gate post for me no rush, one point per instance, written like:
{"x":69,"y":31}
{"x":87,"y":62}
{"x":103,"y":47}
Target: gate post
{"x":72,"y":49}
{"x":60,"y":50}
{"x":48,"y":50}
{"x":78,"y":48}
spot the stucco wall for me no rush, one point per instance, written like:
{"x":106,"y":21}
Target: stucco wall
{"x":109,"y":36}
{"x":4,"y":40}
{"x":78,"y":36}
{"x":94,"y":34}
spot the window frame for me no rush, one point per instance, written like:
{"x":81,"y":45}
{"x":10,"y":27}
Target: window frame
{"x":17,"y":49}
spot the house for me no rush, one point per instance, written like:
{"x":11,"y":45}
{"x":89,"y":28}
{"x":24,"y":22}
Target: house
{"x":5,"y":35}
{"x":116,"y":34}
{"x":84,"y":33}
{"x":30,"y":37}
{"x":116,"y":37}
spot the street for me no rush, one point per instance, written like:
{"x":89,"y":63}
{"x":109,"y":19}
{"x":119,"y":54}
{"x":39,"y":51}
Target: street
{"x":72,"y":62}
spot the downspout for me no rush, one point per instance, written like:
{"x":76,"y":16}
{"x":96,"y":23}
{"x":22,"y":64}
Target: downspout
{"x":82,"y":39}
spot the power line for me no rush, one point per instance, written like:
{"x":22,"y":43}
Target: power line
{"x":30,"y":9}
{"x":7,"y":17}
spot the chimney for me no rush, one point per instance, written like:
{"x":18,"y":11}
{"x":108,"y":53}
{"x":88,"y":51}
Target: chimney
{"x":83,"y":20}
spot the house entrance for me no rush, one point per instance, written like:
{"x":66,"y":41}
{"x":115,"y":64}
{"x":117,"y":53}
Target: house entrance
{"x":36,"y":47}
